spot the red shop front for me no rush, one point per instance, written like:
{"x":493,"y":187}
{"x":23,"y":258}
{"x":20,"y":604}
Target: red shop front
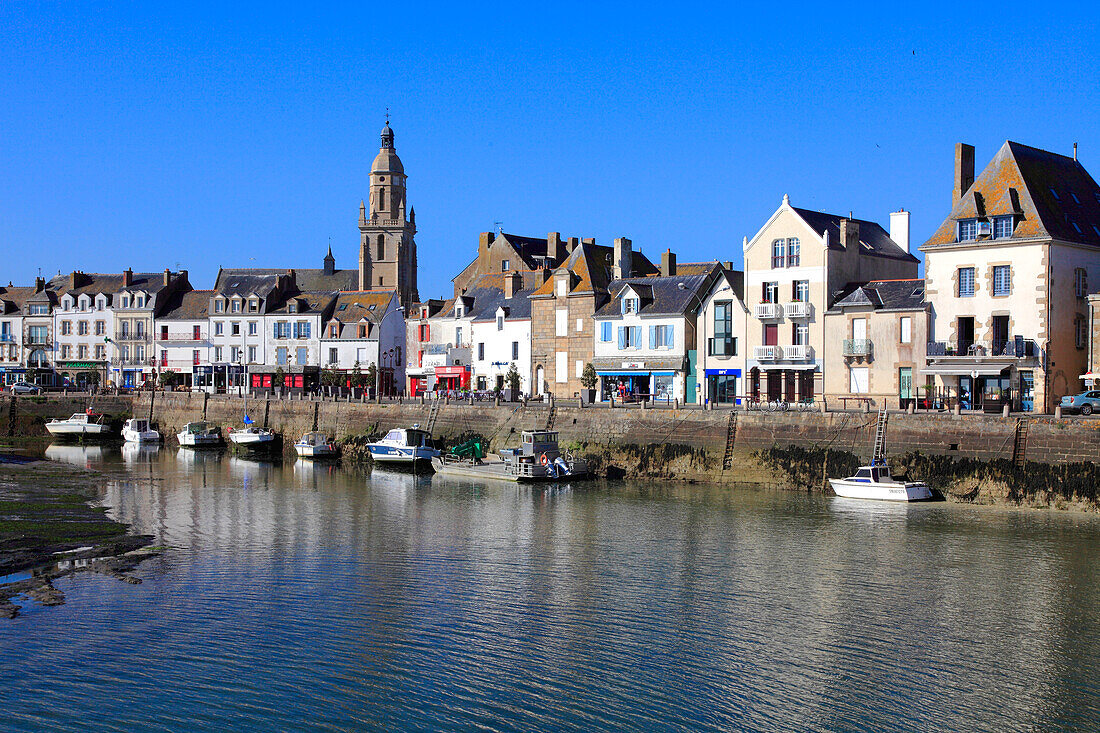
{"x":418,"y":385}
{"x":452,"y":377}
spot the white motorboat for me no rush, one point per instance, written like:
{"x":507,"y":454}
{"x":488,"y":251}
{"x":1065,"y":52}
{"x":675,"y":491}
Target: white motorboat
{"x":199,"y":434}
{"x":80,"y":424}
{"x":138,"y":430}
{"x":315,"y":445}
{"x":875,"y":482}
{"x":252,"y":436}
{"x":404,"y":446}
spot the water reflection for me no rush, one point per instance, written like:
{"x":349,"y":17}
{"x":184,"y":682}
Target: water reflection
{"x":84,"y":456}
{"x":379,"y":599}
{"x":139,"y":452}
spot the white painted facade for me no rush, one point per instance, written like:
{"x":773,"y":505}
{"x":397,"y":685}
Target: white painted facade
{"x":720,"y":343}
{"x":496,"y":345}
{"x":82,"y":326}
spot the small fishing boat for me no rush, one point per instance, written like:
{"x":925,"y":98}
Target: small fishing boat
{"x":252,"y":436}
{"x":404,"y":446}
{"x":875,"y":481}
{"x":315,"y":445}
{"x":199,"y":434}
{"x":537,"y":459}
{"x":80,"y":424}
{"x":138,"y":430}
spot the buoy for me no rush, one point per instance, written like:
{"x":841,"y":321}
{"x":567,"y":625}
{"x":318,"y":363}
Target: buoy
{"x":544,"y":460}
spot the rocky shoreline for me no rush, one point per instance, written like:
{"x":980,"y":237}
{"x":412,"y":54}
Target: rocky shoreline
{"x":50,"y":527}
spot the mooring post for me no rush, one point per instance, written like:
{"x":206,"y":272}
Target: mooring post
{"x":1057,"y":412}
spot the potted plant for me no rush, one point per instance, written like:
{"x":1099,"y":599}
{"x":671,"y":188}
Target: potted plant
{"x":589,"y":381}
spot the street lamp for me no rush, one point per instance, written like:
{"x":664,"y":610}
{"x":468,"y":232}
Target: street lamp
{"x":378,"y":377}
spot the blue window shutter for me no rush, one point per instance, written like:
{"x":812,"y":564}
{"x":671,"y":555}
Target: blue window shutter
{"x":607,"y":331}
{"x":308,"y":326}
{"x":669,"y":336}
{"x":622,"y":337}
{"x":275,"y":330}
{"x":653,"y":337}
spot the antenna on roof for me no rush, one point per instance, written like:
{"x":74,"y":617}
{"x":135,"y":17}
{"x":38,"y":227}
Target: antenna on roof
{"x":500,"y":226}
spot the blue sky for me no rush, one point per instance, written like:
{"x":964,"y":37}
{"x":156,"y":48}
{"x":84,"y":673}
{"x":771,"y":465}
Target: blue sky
{"x":237,"y":135}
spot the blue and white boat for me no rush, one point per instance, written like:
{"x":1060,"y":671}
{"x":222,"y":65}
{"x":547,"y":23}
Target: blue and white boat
{"x":875,"y":482}
{"x":405,"y":446}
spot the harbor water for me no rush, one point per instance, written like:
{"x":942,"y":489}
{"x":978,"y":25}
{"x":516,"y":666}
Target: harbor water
{"x":294,"y":596}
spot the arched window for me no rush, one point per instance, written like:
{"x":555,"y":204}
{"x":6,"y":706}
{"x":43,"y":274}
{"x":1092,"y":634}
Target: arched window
{"x":381,"y":248}
{"x":382,"y":198}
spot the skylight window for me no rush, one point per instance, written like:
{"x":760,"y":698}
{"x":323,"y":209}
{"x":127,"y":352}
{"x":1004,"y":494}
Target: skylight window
{"x":1075,"y":199}
{"x":343,"y":307}
{"x":1096,"y":229}
{"x":370,"y":307}
{"x":1077,"y":228}
{"x":918,"y":293}
{"x":1055,"y":194}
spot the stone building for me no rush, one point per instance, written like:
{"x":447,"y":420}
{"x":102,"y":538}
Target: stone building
{"x":1008,"y":274}
{"x":877,"y":333}
{"x":387,"y":249}
{"x":531,"y":257}
{"x":562,"y":327}
{"x":794,"y":266}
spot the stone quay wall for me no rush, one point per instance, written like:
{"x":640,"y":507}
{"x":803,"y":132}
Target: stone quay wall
{"x":685,"y":444}
{"x":25,"y":416}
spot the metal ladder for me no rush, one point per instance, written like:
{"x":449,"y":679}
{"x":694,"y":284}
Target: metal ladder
{"x":1019,"y":447}
{"x":433,"y":413}
{"x":879,"y":454}
{"x":551,"y":415}
{"x":11,"y":416}
{"x":731,"y":436}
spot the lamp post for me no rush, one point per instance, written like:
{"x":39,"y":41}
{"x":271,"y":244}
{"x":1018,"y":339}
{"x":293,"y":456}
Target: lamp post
{"x":378,"y":377}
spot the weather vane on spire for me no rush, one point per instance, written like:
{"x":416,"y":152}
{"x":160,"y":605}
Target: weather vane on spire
{"x":387,"y":115}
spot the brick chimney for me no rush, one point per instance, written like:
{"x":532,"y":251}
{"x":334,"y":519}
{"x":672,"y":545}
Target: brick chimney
{"x":588,"y":240}
{"x":39,"y":284}
{"x":622,"y":262}
{"x":513,"y":283}
{"x":572,"y":245}
{"x":127,"y":277}
{"x":849,"y":235}
{"x":555,"y":248}
{"x":964,"y":170}
{"x":668,"y":263}
{"x":484,"y":241}
{"x":167,"y":277}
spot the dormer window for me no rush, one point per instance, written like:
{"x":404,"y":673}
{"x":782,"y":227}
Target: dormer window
{"x":334,"y":331}
{"x":292,"y":307}
{"x":254,"y":305}
{"x":236,"y":305}
{"x":561,"y":287}
{"x":968,"y":230}
{"x":1002,"y":227}
{"x":125,"y":301}
{"x":500,"y":322}
{"x":630,"y":305}
{"x":65,"y":304}
{"x":139,"y":301}
{"x":459,"y":311}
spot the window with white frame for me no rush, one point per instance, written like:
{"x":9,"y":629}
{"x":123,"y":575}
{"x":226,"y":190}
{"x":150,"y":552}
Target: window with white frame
{"x":505,"y":265}
{"x":458,"y":337}
{"x":800,"y":334}
{"x":252,"y":354}
{"x":333,"y":356}
{"x":235,"y":328}
{"x":100,"y":328}
{"x":630,"y":337}
{"x":561,"y":366}
{"x":236,"y":305}
{"x":801,"y":291}
{"x":770,"y":292}
{"x":500,"y":323}
{"x":561,"y":287}
{"x":219,"y":327}
{"x":219,"y":306}
{"x":217,"y":353}
{"x":661,"y":337}
{"x":580,"y":325}
{"x":252,"y":328}
{"x":794,"y":252}
{"x":966,"y":282}
{"x":779,"y":249}
{"x":1002,"y":227}
{"x":968,"y":230}
{"x":1002,"y":280}
{"x":905,"y":330}
{"x":579,"y":367}
{"x":630,"y":305}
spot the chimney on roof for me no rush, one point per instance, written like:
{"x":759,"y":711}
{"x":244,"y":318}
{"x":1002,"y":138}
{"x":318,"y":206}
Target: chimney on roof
{"x":127,"y":277}
{"x":588,"y":240}
{"x":572,"y":245}
{"x":555,"y":249}
{"x":1075,"y":151}
{"x":167,"y":277}
{"x":668,"y":263}
{"x":899,"y":228}
{"x":74,"y":278}
{"x":964,"y":170}
{"x":622,"y":262}
{"x":513,"y":283}
{"x":39,"y":284}
{"x":484,"y":241}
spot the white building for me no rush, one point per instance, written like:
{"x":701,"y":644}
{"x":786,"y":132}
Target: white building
{"x":720,"y":363}
{"x":12,"y":303}
{"x":501,"y":332}
{"x":183,"y":335}
{"x":364,"y":328}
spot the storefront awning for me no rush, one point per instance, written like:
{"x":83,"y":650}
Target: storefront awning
{"x":1090,"y":376}
{"x":965,"y":370}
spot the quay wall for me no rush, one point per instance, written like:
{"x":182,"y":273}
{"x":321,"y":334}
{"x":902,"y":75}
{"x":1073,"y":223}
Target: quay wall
{"x":683,"y":444}
{"x":26,"y":415}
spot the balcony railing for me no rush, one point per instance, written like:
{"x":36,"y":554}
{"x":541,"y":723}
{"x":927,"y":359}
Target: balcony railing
{"x":721,"y":346}
{"x":798,"y":309}
{"x":7,"y":338}
{"x":1015,"y":348}
{"x":766,"y":353}
{"x":858,"y":347}
{"x":768,"y":311}
{"x":801,"y":352}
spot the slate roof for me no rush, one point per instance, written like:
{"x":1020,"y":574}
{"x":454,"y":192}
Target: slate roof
{"x":307,"y":279}
{"x":890,"y":295}
{"x":591,"y":264}
{"x":246,"y":282}
{"x":870,"y":234}
{"x":13,"y":298}
{"x":189,"y":306}
{"x":309,"y":303}
{"x":1047,"y":192}
{"x":660,"y":295}
{"x":353,"y":306}
{"x":108,"y":283}
{"x":487,"y":298}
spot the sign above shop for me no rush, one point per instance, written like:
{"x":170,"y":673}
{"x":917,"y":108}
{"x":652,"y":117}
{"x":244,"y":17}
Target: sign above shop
{"x":633,"y":365}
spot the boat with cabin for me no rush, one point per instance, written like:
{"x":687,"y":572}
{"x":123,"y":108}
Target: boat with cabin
{"x":138,"y":430}
{"x":252,"y":437}
{"x":404,"y":446}
{"x":876,"y":480}
{"x":315,"y":445}
{"x":80,"y":424}
{"x":537,"y":459}
{"x":199,"y":435}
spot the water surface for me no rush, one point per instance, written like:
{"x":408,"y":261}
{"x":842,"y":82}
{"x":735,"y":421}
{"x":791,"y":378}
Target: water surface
{"x":302,"y":597}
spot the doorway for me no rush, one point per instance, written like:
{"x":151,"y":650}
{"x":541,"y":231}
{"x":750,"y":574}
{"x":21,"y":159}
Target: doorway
{"x":966,"y":334}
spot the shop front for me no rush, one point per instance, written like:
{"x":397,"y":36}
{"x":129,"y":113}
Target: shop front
{"x":82,"y":374}
{"x":218,"y":378}
{"x":11,"y":375}
{"x":657,"y":379}
{"x":722,"y":386}
{"x":452,"y":378}
{"x":983,"y":386}
{"x":790,"y":384}
{"x":293,"y":379}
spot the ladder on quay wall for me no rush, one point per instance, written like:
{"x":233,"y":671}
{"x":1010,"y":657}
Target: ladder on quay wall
{"x":879,"y":454}
{"x":1019,"y":446}
{"x":731,"y":437}
{"x":433,"y":413}
{"x":551,"y":415}
{"x":11,"y":416}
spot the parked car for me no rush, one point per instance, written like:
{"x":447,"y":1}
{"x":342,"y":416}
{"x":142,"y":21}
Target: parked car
{"x":25,"y":388}
{"x":1084,"y":403}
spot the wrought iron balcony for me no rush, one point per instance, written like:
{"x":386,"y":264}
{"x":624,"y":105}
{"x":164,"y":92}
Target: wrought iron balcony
{"x":1014,"y":348}
{"x":798,"y":309}
{"x":766,"y":353}
{"x":858,"y":347}
{"x":768,"y":311}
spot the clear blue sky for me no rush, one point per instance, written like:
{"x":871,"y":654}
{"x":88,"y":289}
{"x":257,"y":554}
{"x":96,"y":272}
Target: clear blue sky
{"x":132,"y":135}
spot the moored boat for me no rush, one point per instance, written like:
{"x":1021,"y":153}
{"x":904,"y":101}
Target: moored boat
{"x":138,"y":430}
{"x":252,"y":436}
{"x":404,"y":446}
{"x":537,"y":459}
{"x":199,"y":434}
{"x":315,"y":445}
{"x":876,"y":482}
{"x":80,"y":424}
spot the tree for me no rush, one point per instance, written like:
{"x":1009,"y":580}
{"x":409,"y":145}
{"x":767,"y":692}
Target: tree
{"x":280,"y":378}
{"x":588,"y":376}
{"x":356,"y":375}
{"x":512,"y":378}
{"x":168,"y":379}
{"x":329,"y":377}
{"x":371,"y":377}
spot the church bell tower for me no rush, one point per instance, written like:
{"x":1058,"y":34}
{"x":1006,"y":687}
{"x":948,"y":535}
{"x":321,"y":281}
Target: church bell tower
{"x":387,"y":250}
